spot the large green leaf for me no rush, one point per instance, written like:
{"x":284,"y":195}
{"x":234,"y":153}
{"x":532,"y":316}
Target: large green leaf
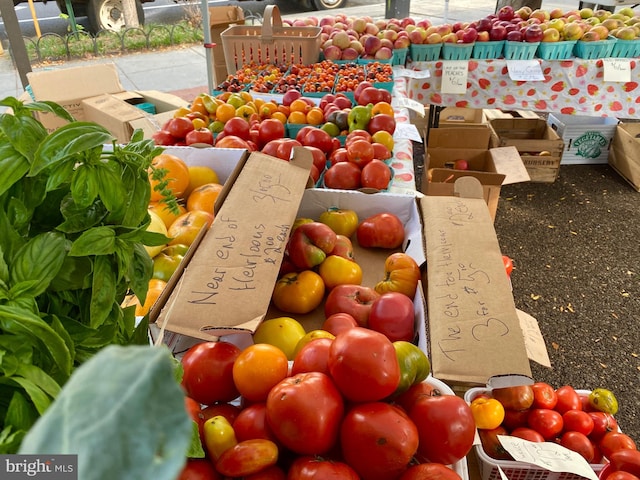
{"x":96,"y":241}
{"x":13,"y":166}
{"x":122,"y":413}
{"x":23,"y":132}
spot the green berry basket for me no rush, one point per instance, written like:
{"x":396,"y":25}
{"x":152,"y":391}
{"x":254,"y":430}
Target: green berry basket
{"x":520,"y":50}
{"x":399,"y":56}
{"x":626,"y":48}
{"x":456,"y":51}
{"x":487,"y":50}
{"x":425,"y":52}
{"x":556,"y":50}
{"x":594,"y":50}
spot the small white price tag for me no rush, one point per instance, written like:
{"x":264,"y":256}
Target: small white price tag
{"x":408,"y":131}
{"x":616,"y":69}
{"x":408,"y":73}
{"x":408,"y":103}
{"x":525,"y":70}
{"x":454,"y":76}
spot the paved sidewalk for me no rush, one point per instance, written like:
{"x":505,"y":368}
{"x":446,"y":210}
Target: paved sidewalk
{"x":184,"y":69}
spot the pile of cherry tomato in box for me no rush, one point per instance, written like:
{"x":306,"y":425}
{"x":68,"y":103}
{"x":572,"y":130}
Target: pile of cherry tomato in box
{"x":582,"y":421}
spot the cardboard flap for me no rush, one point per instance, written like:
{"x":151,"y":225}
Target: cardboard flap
{"x":230,"y":278}
{"x":508,"y":162}
{"x":447,"y":175}
{"x":473,"y":325}
{"x":74,"y":83}
{"x":459,"y":138}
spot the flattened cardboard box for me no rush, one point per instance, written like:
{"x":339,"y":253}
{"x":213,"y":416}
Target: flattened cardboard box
{"x":470,"y":306}
{"x":624,"y":155}
{"x":226,"y":287}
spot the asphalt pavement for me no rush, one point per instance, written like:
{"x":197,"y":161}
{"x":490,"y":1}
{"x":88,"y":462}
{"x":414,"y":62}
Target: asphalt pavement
{"x":574,"y":242}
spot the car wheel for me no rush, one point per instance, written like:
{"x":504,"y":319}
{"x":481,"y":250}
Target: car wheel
{"x":109,"y":15}
{"x":328,"y":4}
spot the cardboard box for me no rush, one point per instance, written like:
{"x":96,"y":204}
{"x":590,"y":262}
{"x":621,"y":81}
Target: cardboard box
{"x":493,"y":113}
{"x":220,"y":18}
{"x":587,"y":140}
{"x":624,"y":155}
{"x":69,"y":86}
{"x":226,"y":287}
{"x":493,"y":167}
{"x":462,"y":117}
{"x":119,"y":114}
{"x":532,"y":137}
{"x":469,"y":301}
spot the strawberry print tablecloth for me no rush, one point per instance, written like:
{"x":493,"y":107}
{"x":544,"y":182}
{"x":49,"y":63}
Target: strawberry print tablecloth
{"x":573,"y":86}
{"x":403,"y":180}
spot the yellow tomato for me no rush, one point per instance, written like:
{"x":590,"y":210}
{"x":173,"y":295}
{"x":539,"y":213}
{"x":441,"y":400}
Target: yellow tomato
{"x":341,"y":221}
{"x":310,"y":336}
{"x":282,"y":332}
{"x":298,"y":292}
{"x":336,"y":270}
{"x":488,"y":413}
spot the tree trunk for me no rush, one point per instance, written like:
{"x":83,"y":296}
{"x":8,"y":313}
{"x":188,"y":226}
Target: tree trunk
{"x":516,"y":4}
{"x":130,"y":13}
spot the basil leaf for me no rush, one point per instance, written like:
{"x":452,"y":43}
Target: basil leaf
{"x":23,"y":132}
{"x":40,"y":260}
{"x":103,"y":290}
{"x":140,"y":267}
{"x":132,"y":443}
{"x":20,"y":413}
{"x":49,"y":107}
{"x":97,"y":241}
{"x":13,"y":166}
{"x":109,"y":184}
{"x":84,"y":185}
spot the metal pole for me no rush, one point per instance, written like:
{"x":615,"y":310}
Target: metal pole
{"x":207,"y":44}
{"x":16,"y":41}
{"x":36,"y":24}
{"x":396,"y":8}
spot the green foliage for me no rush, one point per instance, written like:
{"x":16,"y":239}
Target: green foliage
{"x":122,"y":413}
{"x":73,"y":216}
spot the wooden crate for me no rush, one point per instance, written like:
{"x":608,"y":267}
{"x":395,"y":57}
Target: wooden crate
{"x":624,"y":155}
{"x":539,"y":145}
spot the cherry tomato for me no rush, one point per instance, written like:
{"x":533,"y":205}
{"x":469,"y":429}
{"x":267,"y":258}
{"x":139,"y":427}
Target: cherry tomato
{"x":378,"y":440}
{"x":602,"y":423}
{"x":488,"y":413}
{"x":545,"y":421}
{"x":615,"y":441}
{"x":208,"y":368}
{"x":577,"y":421}
{"x":579,"y":443}
{"x":527,"y":434}
{"x":446,"y":428}
{"x":568,"y":399}
{"x":310,"y":468}
{"x":515,"y":398}
{"x":491,"y":444}
{"x":364,"y":365}
{"x":304,"y":413}
{"x":382,"y":230}
{"x":298,"y":292}
{"x":544,"y":395}
{"x":626,"y":460}
{"x":432,"y":471}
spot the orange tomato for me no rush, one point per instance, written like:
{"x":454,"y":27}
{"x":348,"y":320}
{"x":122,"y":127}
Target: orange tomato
{"x":199,"y":175}
{"x":299,"y":105}
{"x":156,"y":286}
{"x":382,"y":107}
{"x":204,"y":197}
{"x":176,"y":176}
{"x":279,"y":116}
{"x":315,"y":116}
{"x":198,"y":106}
{"x":298,"y":118}
{"x":258,"y":369}
{"x":187,"y":226}
{"x":225,"y":112}
{"x":165,"y":213}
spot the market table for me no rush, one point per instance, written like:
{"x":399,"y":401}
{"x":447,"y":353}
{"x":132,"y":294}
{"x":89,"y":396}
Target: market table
{"x":574,"y":86}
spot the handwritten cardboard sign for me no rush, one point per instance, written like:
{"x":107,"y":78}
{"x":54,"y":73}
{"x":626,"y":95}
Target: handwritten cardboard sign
{"x":473,"y":325}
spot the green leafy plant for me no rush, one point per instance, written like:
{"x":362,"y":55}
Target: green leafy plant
{"x":73,"y":216}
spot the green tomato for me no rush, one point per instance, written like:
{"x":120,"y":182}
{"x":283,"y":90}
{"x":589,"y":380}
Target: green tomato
{"x":167,"y":261}
{"x":604,"y":400}
{"x":414,"y":365}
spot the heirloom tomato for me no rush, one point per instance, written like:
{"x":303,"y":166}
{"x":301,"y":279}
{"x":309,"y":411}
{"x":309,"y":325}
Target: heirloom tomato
{"x":313,"y":468}
{"x":378,"y":440}
{"x":544,"y":395}
{"x":208,"y":368}
{"x":515,"y":418}
{"x":401,"y":274}
{"x":218,"y":436}
{"x":312,"y":357}
{"x":382,"y":230}
{"x":414,"y":365}
{"x":336,"y":270}
{"x":310,"y":337}
{"x":343,"y":176}
{"x":298,"y":292}
{"x":257,"y":369}
{"x":304,"y":413}
{"x":283,"y":332}
{"x":579,"y":443}
{"x":339,"y":322}
{"x":310,"y":243}
{"x":445,"y":426}
{"x":546,"y":422}
{"x":488,"y":413}
{"x":247,"y":457}
{"x":407,"y":399}
{"x":568,"y":399}
{"x":621,"y":475}
{"x":364,"y":365}
{"x":341,"y":220}
{"x":515,"y":398}
{"x":356,"y":300}
{"x":274,"y":472}
{"x":491,"y":443}
{"x":432,"y":471}
{"x":343,"y":247}
{"x":393,"y":315}
{"x":376,"y":174}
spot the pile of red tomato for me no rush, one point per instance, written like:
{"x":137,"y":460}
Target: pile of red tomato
{"x":564,"y":415}
{"x":261,"y":417}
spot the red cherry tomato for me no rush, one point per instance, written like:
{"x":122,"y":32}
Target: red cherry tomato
{"x":508,"y":264}
{"x":579,"y":443}
{"x":546,"y":422}
{"x":568,"y":399}
{"x":544,"y":395}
